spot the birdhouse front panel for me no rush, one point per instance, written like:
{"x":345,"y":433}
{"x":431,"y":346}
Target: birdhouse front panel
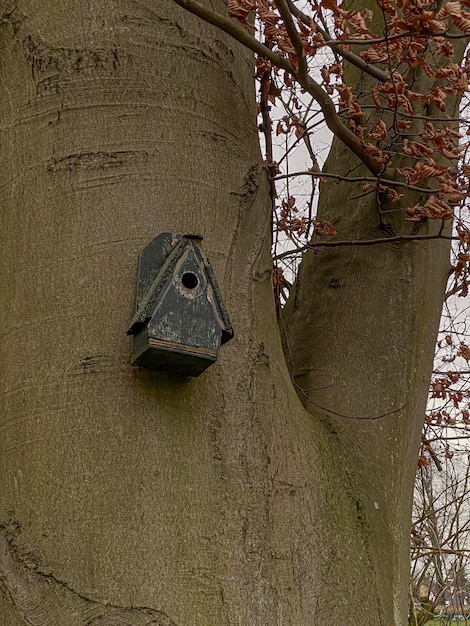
{"x":180,"y":321}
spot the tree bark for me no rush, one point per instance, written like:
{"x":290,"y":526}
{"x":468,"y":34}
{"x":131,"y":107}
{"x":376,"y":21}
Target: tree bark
{"x":359,"y":336}
{"x":136,"y":497}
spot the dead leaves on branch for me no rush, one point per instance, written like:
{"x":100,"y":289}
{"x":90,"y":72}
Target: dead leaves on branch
{"x":422,"y":170}
{"x":449,"y":388}
{"x":405,"y":128}
{"x":433,"y":209}
{"x":291,"y":224}
{"x":412,"y":40}
{"x":402,"y":128}
{"x":289,"y":123}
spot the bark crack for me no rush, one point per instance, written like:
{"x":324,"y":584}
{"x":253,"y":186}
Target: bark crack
{"x":96,"y":160}
{"x":43,"y":600}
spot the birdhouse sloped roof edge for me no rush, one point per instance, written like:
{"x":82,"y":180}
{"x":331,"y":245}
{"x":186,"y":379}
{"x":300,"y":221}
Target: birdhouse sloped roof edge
{"x":149,"y":301}
{"x":147,"y":306}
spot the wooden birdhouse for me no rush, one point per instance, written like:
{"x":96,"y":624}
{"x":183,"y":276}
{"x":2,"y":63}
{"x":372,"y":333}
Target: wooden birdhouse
{"x":180,"y":320}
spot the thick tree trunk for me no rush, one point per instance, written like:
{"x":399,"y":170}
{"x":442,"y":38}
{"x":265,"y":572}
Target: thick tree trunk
{"x":135,"y":497}
{"x":359,"y":337}
{"x":361,"y":333}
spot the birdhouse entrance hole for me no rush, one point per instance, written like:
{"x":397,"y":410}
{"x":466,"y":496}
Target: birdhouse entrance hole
{"x":189,"y":280}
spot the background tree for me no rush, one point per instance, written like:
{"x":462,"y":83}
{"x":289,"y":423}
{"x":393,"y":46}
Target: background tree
{"x":135,"y":497}
{"x":440,"y":544}
{"x":440,"y":547}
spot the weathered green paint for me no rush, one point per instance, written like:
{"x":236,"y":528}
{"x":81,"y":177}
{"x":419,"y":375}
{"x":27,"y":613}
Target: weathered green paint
{"x":180,"y":321}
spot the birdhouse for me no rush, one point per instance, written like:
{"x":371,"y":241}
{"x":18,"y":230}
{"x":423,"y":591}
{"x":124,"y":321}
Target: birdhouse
{"x":180,"y":320}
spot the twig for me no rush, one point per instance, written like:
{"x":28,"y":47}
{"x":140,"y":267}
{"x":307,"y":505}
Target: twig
{"x":359,"y":179}
{"x":405,"y":34}
{"x":361,"y":242}
{"x":432,"y":453}
{"x":350,"y":417}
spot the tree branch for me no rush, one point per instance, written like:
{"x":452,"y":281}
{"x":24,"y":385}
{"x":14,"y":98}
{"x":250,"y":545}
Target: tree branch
{"x":234,"y":29}
{"x":432,"y":453}
{"x":337,"y":46}
{"x":428,"y":550}
{"x":326,"y":104}
{"x":359,"y":179}
{"x":406,"y":34}
{"x":361,"y":242}
{"x":294,"y":36}
{"x":337,"y":127}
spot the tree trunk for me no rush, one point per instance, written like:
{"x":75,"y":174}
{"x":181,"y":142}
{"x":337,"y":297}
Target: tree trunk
{"x":359,"y":337}
{"x":361,"y":331}
{"x":133,"y":497}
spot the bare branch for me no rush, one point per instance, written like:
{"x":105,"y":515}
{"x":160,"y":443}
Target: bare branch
{"x":326,"y":104}
{"x":363,"y":242}
{"x":405,"y":35}
{"x":359,"y":179}
{"x":432,"y":453}
{"x":233,"y":28}
{"x":428,"y":550}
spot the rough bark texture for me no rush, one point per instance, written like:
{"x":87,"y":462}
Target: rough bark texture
{"x":131,"y":497}
{"x":368,"y":368}
{"x":359,"y":337}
